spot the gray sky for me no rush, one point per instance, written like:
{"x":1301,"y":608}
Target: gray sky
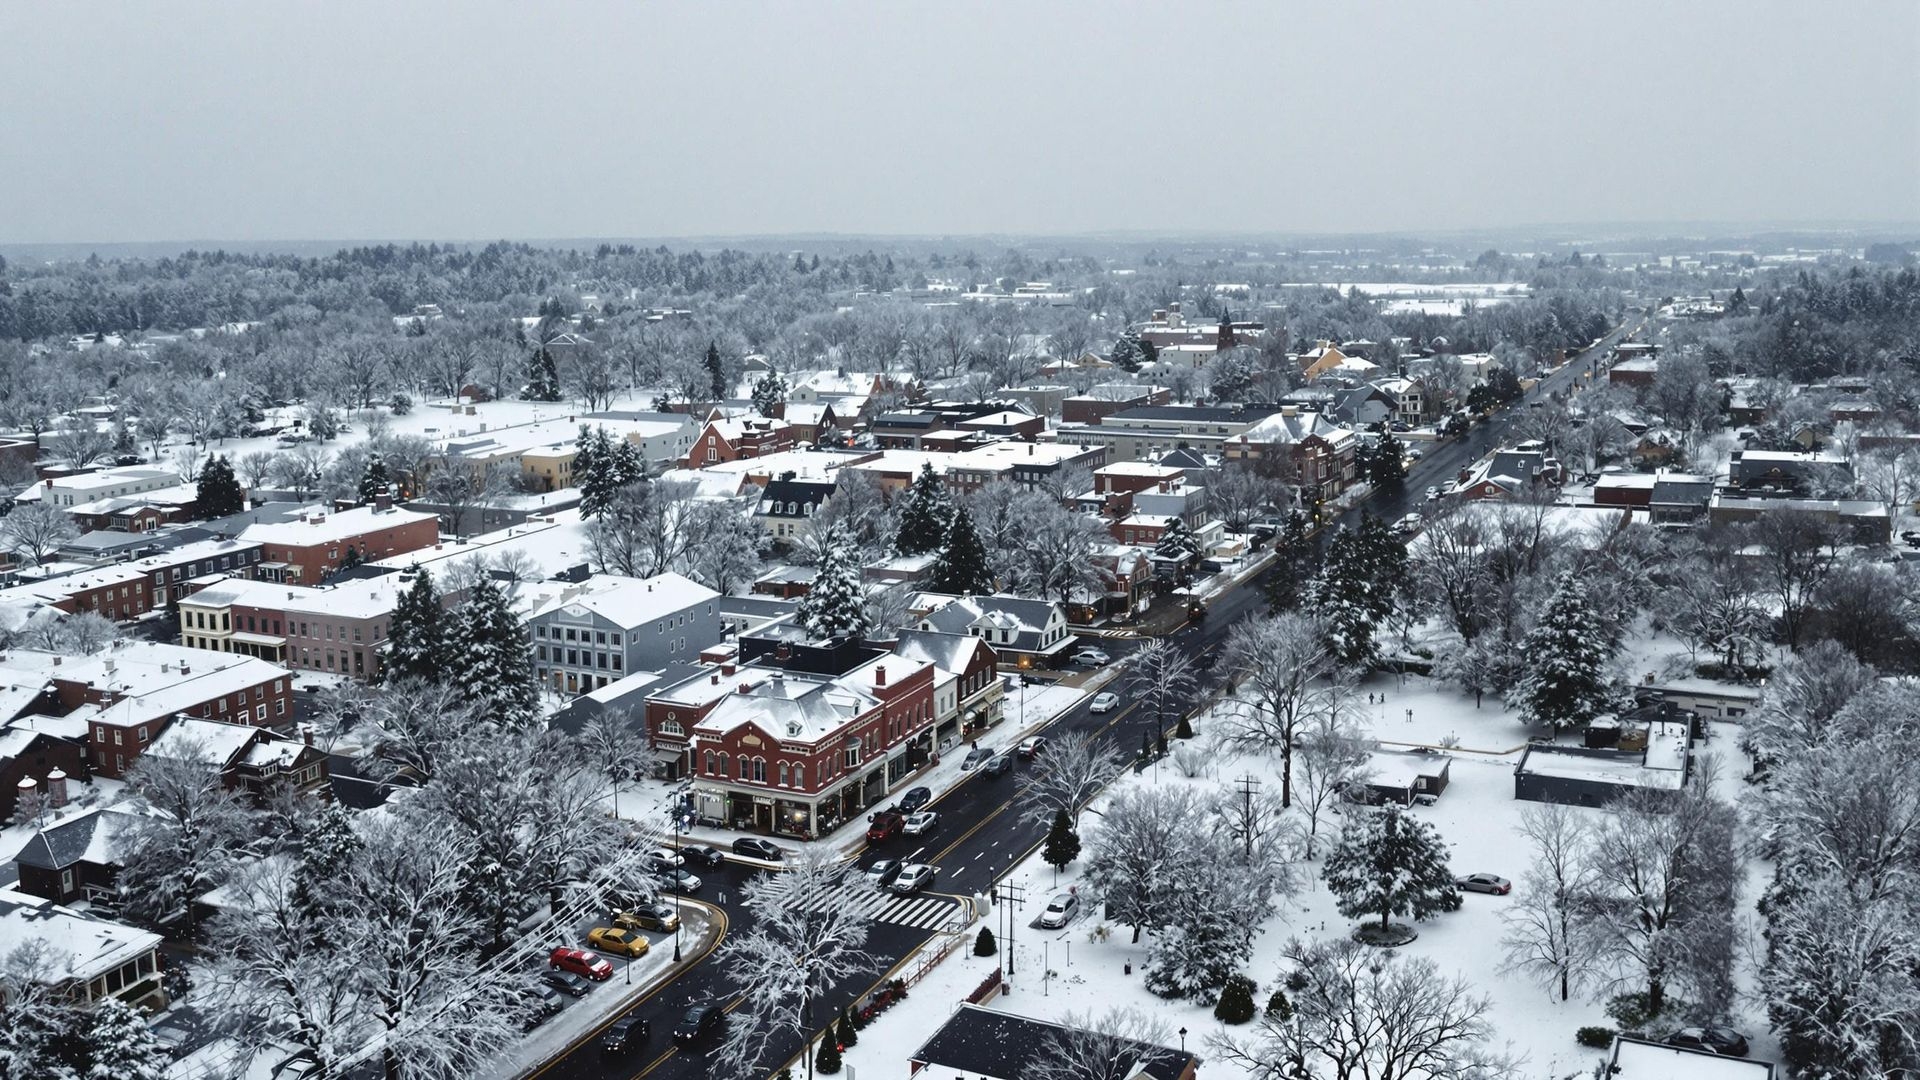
{"x":477,"y":119}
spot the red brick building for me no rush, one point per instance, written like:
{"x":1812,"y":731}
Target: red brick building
{"x":305,"y":550}
{"x":738,"y":437}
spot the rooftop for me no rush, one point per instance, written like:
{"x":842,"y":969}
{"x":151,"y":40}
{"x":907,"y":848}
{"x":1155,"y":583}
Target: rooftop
{"x":320,"y":526}
{"x":627,"y":601}
{"x":82,"y":947}
{"x":984,"y":1042}
{"x":149,"y":680}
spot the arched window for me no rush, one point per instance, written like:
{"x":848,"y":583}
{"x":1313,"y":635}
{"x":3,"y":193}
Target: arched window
{"x":723,"y":766}
{"x":783,"y":774}
{"x":709,"y":763}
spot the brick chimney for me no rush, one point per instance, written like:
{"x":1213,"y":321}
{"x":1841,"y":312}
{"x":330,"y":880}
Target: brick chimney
{"x":57,"y":787}
{"x":383,"y":499}
{"x":880,"y":675}
{"x":306,"y":734}
{"x":184,"y":669}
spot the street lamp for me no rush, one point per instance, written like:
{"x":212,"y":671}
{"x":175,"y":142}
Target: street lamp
{"x":679,"y":830}
{"x":1183,"y":1040}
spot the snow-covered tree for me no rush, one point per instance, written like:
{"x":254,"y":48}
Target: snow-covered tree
{"x":925,"y":514}
{"x":1806,"y":694}
{"x":120,"y":1046}
{"x":187,"y":840}
{"x":808,"y":936}
{"x":417,"y":634}
{"x":1163,"y":678}
{"x":1066,"y":778}
{"x":219,"y":492}
{"x":412,"y":725}
{"x":35,"y":530}
{"x":835,"y":605}
{"x":1564,"y":683}
{"x":1387,"y":863}
{"x":39,"y":1026}
{"x":1105,"y":1047}
{"x":1178,"y":546}
{"x":1331,"y":759}
{"x":1839,"y":981}
{"x":961,"y":567}
{"x":769,"y":393}
{"x":374,"y":479}
{"x":1135,"y":858}
{"x":731,"y":549}
{"x":543,"y":377}
{"x":1287,"y":679}
{"x":1544,"y":936}
{"x":593,"y":469}
{"x":491,"y":659}
{"x":1062,"y":844}
{"x":1203,"y":942}
{"x":1353,"y":592}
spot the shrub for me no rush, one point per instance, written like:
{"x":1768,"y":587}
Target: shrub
{"x":856,"y":1018}
{"x":1278,"y":1007}
{"x":899,"y":988}
{"x":845,"y":1033}
{"x":1236,"y":1001}
{"x":1297,"y":981}
{"x":1185,"y":730}
{"x":827,"y":1061}
{"x":402,"y":404}
{"x":1632,"y":1013}
{"x":984,"y":945}
{"x":1597,"y":1037}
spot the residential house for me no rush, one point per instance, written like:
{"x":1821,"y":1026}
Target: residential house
{"x":988,"y":1044}
{"x":810,"y":421}
{"x":140,"y":513}
{"x":726,"y":438}
{"x":1632,"y":1058}
{"x":75,"y":856}
{"x":91,"y":958}
{"x":250,"y":760}
{"x":1025,"y":633}
{"x":34,"y":759}
{"x":967,"y":690}
{"x":787,"y":506}
{"x":610,"y":626}
{"x":1400,"y":777}
{"x":1788,"y":472}
{"x":1857,"y":520}
{"x":1505,"y":474}
{"x":1584,"y":776}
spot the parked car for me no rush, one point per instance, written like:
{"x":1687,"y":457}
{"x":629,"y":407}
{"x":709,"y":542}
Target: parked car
{"x":914,"y":877}
{"x":702,"y":1023}
{"x":580,"y":962}
{"x":546,"y":1002}
{"x":885,"y":826}
{"x":976,"y":757}
{"x":1091,"y":657}
{"x":1408,"y":525}
{"x":659,"y":917}
{"x":1433,"y":494}
{"x":567,"y":982}
{"x":626,"y":1033}
{"x":921,"y":823}
{"x":881,"y":872}
{"x":301,"y":1066}
{"x":1212,"y":566}
{"x":702,"y":854}
{"x":680,"y":880}
{"x":663,"y":861}
{"x":1031,"y":747}
{"x":615,"y":940}
{"x":1718,"y":1040}
{"x":1105,"y":702}
{"x":999,"y":765}
{"x":1416,"y":453}
{"x":914,"y":799}
{"x":1399,"y":426}
{"x":1060,"y":911}
{"x":755,"y":848}
{"x":1486,"y":883}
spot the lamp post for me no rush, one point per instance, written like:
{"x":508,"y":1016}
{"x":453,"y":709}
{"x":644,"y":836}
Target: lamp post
{"x":1183,"y":1040}
{"x":679,"y":830}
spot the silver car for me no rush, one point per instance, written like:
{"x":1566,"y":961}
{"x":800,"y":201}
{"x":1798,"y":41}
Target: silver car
{"x":1060,"y":911}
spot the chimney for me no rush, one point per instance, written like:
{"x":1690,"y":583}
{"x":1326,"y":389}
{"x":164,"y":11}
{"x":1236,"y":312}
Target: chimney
{"x":46,"y":483}
{"x":726,"y":668}
{"x":746,"y":689}
{"x":57,"y":787}
{"x":383,"y":500}
{"x":184,"y":669}
{"x":880,"y":675}
{"x":306,"y":734}
{"x":716,"y":679}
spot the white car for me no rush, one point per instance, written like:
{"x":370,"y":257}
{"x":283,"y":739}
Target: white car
{"x":914,"y":877}
{"x":1106,"y":702}
{"x":921,"y":823}
{"x":1091,"y":657}
{"x":1060,"y":911}
{"x":1433,"y":494}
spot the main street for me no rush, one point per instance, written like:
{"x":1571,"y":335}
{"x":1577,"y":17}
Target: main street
{"x":981,"y":836}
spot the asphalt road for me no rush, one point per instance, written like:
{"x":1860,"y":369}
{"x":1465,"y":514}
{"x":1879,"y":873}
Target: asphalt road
{"x":982,"y":838}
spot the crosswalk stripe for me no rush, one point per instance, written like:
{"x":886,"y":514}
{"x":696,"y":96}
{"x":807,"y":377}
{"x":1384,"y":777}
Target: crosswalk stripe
{"x":923,"y":912}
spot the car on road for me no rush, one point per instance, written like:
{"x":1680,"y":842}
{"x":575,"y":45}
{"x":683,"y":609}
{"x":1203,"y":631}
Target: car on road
{"x":1399,"y":426}
{"x":884,"y":826}
{"x":703,"y":854}
{"x":620,"y":942}
{"x":1719,"y":1040}
{"x":1484,"y":883}
{"x":755,"y":848}
{"x":1031,"y":747}
{"x":1416,"y":453}
{"x":1408,"y":525}
{"x":999,"y":765}
{"x":1060,"y":911}
{"x":663,"y":860}
{"x":567,"y":982}
{"x":976,"y":757}
{"x":1105,"y":702}
{"x":915,"y":798}
{"x":702,"y":1023}
{"x":1091,"y":657}
{"x":680,"y":880}
{"x":921,"y":823}
{"x":659,"y":917}
{"x":881,"y":872}
{"x":913,"y":878}
{"x":626,"y":1033}
{"x":580,"y":962}
{"x":1433,"y":494}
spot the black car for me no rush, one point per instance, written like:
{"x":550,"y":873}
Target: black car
{"x":703,"y":853}
{"x":998,"y":765}
{"x":755,"y":848}
{"x":914,"y":799}
{"x":1718,"y":1040}
{"x":626,"y":1033}
{"x":566,"y":982}
{"x":701,"y":1024}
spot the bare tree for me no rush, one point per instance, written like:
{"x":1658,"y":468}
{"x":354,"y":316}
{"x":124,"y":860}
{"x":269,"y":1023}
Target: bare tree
{"x":184,"y":846}
{"x":1797,"y":549}
{"x":80,"y":443}
{"x":1163,"y":678}
{"x":1066,"y":778}
{"x":1891,"y":476}
{"x":594,"y":377}
{"x":1285,"y":679}
{"x":445,"y":364}
{"x":412,"y":726}
{"x":35,"y":530}
{"x":808,"y":935}
{"x":1332,"y":759}
{"x":300,"y":470}
{"x":256,"y":468}
{"x":1805,"y":695}
{"x":1120,"y":1044}
{"x":1545,"y":937}
{"x":1240,"y":493}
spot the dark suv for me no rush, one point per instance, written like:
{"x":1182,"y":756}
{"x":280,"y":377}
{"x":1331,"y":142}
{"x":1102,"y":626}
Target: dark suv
{"x":625,"y":1034}
{"x":701,"y":1024}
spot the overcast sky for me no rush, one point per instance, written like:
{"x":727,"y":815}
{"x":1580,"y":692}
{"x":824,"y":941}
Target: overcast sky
{"x":477,"y":119}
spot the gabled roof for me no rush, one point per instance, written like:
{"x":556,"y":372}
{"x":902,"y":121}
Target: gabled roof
{"x":211,"y":742}
{"x":85,"y":837}
{"x":947,"y":652}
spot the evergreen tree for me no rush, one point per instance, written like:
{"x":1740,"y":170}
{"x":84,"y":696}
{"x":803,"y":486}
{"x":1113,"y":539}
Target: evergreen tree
{"x":629,"y":463}
{"x":1179,"y":546}
{"x":417,"y":635}
{"x":543,"y":376}
{"x":1149,"y":352}
{"x":1062,"y":845}
{"x":962,"y":566}
{"x":984,"y":944}
{"x":835,"y":607}
{"x":769,"y":393}
{"x":1382,"y":462}
{"x":1236,"y":1001}
{"x":1388,"y":864}
{"x":219,"y":493}
{"x":120,"y":1046}
{"x":1125,"y":353}
{"x":1293,"y":564}
{"x":844,"y":1032}
{"x":1355,"y":589}
{"x":492,"y":660}
{"x":597,"y":469}
{"x":716,"y":372}
{"x":1183,"y":730}
{"x":124,"y":442}
{"x":325,"y":849}
{"x":924,"y":515}
{"x":1564,"y":683}
{"x":1737,"y":303}
{"x":373,"y":480}
{"x":827,"y":1061}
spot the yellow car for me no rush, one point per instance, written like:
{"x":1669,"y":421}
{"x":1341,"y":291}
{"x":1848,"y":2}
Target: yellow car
{"x":617,"y":941}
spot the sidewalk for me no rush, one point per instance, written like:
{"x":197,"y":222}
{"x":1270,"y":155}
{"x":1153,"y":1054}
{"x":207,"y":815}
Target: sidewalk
{"x":582,"y":1019}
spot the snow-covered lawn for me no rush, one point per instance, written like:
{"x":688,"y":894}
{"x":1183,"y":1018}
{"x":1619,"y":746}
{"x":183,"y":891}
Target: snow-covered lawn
{"x":1062,"y":971}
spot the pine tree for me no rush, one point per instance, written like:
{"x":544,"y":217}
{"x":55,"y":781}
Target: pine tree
{"x":962,"y":567}
{"x":1388,"y":864}
{"x":1737,"y":303}
{"x":416,"y":635}
{"x":373,"y":480}
{"x":1062,"y":844}
{"x":597,"y":469}
{"x":1183,"y":730}
{"x":1293,"y":564}
{"x":1236,"y":1001}
{"x":827,"y":1061}
{"x":629,"y":463}
{"x":844,"y":1032}
{"x":325,"y":848}
{"x":120,"y":1046}
{"x":716,"y":372}
{"x":1355,"y":589}
{"x":1564,"y":683}
{"x":769,"y":393}
{"x":491,"y":659}
{"x":219,"y":493}
{"x":1149,"y":352}
{"x":925,"y":514}
{"x":984,"y":944}
{"x":543,"y":376}
{"x":835,"y":607}
{"x":1178,"y":545}
{"x":1125,"y":353}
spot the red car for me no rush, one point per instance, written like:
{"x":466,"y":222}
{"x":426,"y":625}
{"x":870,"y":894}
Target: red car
{"x":886,"y":825}
{"x":580,"y":962}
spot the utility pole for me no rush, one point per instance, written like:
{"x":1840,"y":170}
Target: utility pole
{"x":1011,"y":896}
{"x":1248,"y":784}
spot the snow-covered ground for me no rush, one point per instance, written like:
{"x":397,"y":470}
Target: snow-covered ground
{"x":1069,"y":971}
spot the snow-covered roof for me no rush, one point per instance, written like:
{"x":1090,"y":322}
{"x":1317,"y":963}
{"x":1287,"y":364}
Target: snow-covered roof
{"x":209,"y":742}
{"x":354,"y":598}
{"x":82,"y":947}
{"x":628,"y":601}
{"x":553,"y":542}
{"x":152,"y":680}
{"x":320,"y":526}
